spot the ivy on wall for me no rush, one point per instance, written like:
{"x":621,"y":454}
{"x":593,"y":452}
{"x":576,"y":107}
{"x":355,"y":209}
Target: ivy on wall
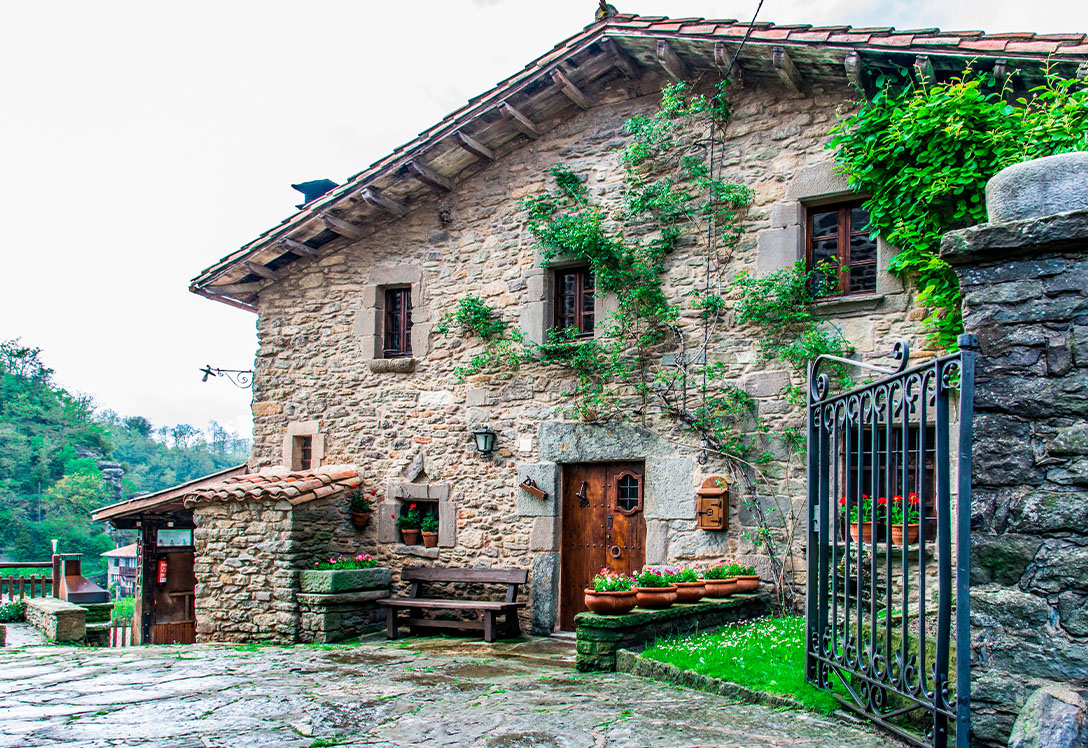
{"x":924,"y":154}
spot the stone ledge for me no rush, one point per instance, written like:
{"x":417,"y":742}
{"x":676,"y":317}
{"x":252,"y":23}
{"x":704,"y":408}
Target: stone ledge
{"x":845,"y":306}
{"x":332,"y":581}
{"x":1029,"y":237}
{"x":58,"y":620}
{"x":416,"y":550}
{"x":635,"y":664}
{"x":641,"y":616}
{"x":314,"y":600}
{"x":392,"y":365}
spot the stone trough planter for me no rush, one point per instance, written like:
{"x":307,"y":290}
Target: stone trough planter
{"x":333,"y":581}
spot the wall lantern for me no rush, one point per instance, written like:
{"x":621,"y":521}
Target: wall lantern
{"x":485,"y":440}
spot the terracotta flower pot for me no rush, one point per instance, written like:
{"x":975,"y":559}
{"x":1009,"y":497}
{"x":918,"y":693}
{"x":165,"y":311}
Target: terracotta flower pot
{"x":720,"y":587}
{"x":359,"y":519}
{"x":610,"y":603}
{"x":748,"y":583}
{"x":656,"y":597}
{"x":690,"y":592}
{"x":410,"y":537}
{"x":912,"y":533}
{"x":430,"y":539}
{"x":866,"y":531}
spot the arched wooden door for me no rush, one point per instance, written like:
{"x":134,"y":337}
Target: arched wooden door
{"x":603,"y":526}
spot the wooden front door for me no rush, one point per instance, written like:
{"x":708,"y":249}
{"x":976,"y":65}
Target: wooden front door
{"x":603,"y":527}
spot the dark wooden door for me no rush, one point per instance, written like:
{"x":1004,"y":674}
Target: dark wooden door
{"x":603,"y":527}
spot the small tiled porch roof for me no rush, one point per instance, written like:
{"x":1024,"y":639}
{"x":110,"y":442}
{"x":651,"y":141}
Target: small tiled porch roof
{"x":296,"y":487}
{"x":558,"y":84}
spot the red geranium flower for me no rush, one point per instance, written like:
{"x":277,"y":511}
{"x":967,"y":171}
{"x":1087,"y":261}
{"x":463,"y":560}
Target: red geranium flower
{"x":897,"y":499}
{"x":842,"y":501}
{"x":411,"y":506}
{"x":913,"y":498}
{"x":882,"y":501}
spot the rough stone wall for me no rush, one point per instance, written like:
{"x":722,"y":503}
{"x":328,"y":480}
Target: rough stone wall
{"x":1026,"y":298}
{"x":311,"y":366}
{"x":246,"y":572}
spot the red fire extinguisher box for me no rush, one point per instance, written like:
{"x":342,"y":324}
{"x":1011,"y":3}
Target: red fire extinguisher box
{"x":162,"y":571}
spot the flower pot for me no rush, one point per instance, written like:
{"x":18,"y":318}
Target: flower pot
{"x":748,"y":583}
{"x":866,"y":531}
{"x":912,"y":533}
{"x":334,"y":581}
{"x":359,"y":519}
{"x":410,"y":537}
{"x":430,"y":539}
{"x":610,"y":603}
{"x":720,"y":587}
{"x":690,"y":592}
{"x":655,"y":598}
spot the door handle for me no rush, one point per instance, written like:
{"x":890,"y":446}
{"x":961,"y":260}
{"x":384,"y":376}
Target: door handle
{"x":615,"y":551}
{"x":583,"y":499}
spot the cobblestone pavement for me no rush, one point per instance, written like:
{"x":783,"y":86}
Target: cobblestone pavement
{"x":421,"y":693}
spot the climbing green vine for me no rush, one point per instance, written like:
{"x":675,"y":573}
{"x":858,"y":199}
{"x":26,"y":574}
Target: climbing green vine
{"x":924,"y":155}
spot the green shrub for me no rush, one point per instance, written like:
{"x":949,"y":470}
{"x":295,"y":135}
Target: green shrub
{"x":13,"y":611}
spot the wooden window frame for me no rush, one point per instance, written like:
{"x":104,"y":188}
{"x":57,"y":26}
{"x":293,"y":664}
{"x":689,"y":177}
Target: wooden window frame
{"x":843,"y":236}
{"x":616,"y":491}
{"x":578,"y":320}
{"x":302,"y":452}
{"x":401,"y":346}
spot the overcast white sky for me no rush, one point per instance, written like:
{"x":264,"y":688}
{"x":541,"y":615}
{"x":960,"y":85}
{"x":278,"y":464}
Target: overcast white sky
{"x":142,"y":141}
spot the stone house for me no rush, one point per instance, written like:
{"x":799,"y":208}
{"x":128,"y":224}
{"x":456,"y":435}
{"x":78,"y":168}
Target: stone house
{"x":351,"y":371}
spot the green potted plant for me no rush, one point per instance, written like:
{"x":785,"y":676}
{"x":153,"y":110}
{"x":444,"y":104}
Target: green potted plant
{"x":342,"y":573}
{"x":689,"y":588}
{"x":719,"y":579}
{"x":906,"y":513}
{"x":408,"y":524}
{"x":361,"y":505}
{"x":747,"y":579}
{"x":610,"y":593}
{"x":861,"y":517}
{"x":429,"y":529}
{"x":654,"y":591}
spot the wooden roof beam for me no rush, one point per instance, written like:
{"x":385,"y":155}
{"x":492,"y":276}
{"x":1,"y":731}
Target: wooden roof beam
{"x":237,"y":289}
{"x":298,"y":248}
{"x":674,"y":66}
{"x":342,"y":227}
{"x":570,"y":90}
{"x":787,"y":71}
{"x":374,"y":197}
{"x":620,"y":59}
{"x":923,"y":68}
{"x":523,"y":124}
{"x":855,"y":73}
{"x":429,"y":176}
{"x":261,"y":270}
{"x":473,"y":146}
{"x":723,"y":58}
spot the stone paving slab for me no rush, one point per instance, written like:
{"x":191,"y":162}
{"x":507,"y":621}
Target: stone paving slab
{"x":426,"y":692}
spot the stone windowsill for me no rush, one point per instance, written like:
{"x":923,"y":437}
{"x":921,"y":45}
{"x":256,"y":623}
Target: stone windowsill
{"x":846,"y":306}
{"x":416,"y":550}
{"x":392,"y":365}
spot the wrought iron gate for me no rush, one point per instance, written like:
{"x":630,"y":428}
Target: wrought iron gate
{"x":887,"y":603}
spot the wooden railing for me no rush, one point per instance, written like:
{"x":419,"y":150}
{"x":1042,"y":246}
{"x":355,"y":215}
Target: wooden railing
{"x":121,"y":631}
{"x":12,"y":587}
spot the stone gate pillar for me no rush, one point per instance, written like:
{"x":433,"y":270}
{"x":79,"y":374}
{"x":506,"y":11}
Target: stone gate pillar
{"x":1024,"y":278}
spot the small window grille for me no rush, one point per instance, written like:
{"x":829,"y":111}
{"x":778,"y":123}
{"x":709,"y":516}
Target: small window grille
{"x":628,"y":493}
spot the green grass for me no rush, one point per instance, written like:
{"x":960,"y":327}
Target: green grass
{"x":765,"y":654}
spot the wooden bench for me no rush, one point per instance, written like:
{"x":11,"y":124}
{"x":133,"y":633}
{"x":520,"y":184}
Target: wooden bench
{"x":417,"y":575}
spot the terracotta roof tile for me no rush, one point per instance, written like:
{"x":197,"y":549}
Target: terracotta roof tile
{"x":1081,"y":49}
{"x":699,"y":28}
{"x":1044,"y":47}
{"x":297,"y":487}
{"x":985,"y":45}
{"x":893,"y":40}
{"x":849,"y":38}
{"x":809,"y":36}
{"x":673,"y":26}
{"x":938,"y":41}
{"x":773,"y":34}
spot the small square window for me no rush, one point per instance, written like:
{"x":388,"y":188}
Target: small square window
{"x":574,"y":300}
{"x":398,"y":323}
{"x":302,"y":453}
{"x":838,"y":247}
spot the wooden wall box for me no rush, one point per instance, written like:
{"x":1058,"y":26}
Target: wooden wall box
{"x":712,"y":504}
